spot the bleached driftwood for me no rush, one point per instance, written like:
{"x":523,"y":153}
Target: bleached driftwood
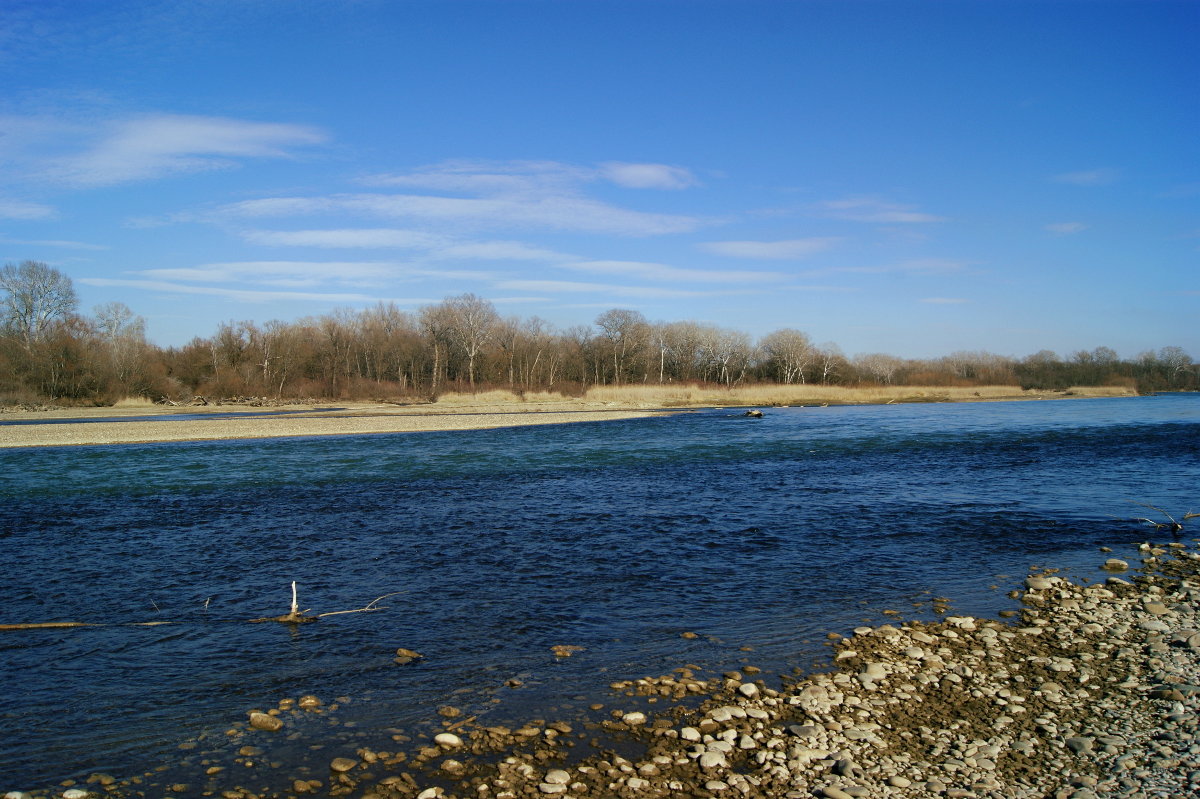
{"x":293,"y":616}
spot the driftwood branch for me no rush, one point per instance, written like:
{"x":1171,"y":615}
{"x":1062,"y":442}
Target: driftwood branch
{"x":293,"y":616}
{"x":1160,"y":510}
{"x":370,"y":607}
{"x":1171,"y":526}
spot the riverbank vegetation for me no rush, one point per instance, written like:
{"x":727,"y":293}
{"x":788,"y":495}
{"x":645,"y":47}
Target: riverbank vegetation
{"x":51,"y":352}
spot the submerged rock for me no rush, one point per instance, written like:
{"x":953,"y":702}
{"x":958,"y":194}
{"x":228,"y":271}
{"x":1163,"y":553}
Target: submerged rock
{"x":406,"y":656}
{"x":265,"y":721}
{"x":341,"y":765}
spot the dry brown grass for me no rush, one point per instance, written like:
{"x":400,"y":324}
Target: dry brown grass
{"x":503,"y":397}
{"x":692,"y":396}
{"x":134,"y":402}
{"x":696,"y":396}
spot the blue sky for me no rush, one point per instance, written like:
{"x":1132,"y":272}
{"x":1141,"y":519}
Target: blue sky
{"x":914,"y":178}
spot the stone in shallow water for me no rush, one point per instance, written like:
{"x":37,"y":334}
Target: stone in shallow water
{"x":342,"y":764}
{"x":264,"y":721}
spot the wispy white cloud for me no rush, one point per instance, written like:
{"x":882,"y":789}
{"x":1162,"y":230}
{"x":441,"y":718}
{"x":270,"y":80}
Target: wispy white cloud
{"x":346,"y":238}
{"x":915,"y":266}
{"x":648,"y":176}
{"x":497,"y":251}
{"x":944,"y":300}
{"x":487,"y":177}
{"x":427,"y":244}
{"x":571,"y":287}
{"x":506,"y":194}
{"x":874,"y":209}
{"x":789,"y":249}
{"x":1066,"y":228}
{"x":509,"y":177}
{"x":296,"y":274}
{"x":1088,"y":177}
{"x":669,"y":274}
{"x":154,"y":146}
{"x":16,"y":209}
{"x":248,"y":295}
{"x":280,"y":273}
{"x":66,"y":245}
{"x":548,"y":211}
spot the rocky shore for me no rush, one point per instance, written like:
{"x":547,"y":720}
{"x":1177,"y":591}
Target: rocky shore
{"x":1092,"y":690}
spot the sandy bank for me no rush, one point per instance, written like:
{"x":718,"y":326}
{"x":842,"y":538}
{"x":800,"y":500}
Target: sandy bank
{"x":212,"y":422}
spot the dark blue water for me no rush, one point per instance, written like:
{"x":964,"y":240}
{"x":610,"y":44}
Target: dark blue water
{"x":613,"y":536}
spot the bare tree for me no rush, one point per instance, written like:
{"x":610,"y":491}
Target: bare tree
{"x":789,"y":352}
{"x":1175,"y":362}
{"x":878,"y":365}
{"x":732,"y":353}
{"x":124,"y":334}
{"x":660,"y":339}
{"x":36,"y":296}
{"x":280,"y":353}
{"x":685,"y":347}
{"x":471,"y":322}
{"x":435,"y":324}
{"x":626,"y":332}
{"x":829,"y":360}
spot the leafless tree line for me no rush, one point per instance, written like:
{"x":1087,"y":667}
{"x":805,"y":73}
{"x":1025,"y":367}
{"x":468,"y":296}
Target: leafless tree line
{"x":49,"y":351}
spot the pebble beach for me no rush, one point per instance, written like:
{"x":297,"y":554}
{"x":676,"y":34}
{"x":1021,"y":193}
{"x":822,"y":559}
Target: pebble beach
{"x":1090,"y":690}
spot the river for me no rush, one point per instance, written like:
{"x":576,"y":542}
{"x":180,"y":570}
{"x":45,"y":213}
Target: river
{"x":758,"y":535}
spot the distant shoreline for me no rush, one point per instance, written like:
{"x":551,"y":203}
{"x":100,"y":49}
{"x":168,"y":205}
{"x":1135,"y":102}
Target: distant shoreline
{"x":494,"y":409}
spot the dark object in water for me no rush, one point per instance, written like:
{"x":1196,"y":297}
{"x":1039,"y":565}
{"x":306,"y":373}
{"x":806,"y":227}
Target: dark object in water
{"x":753,"y":413}
{"x":1172,"y":526}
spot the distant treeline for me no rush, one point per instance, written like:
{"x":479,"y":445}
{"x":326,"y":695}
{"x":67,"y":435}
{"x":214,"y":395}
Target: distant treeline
{"x":48,"y":351}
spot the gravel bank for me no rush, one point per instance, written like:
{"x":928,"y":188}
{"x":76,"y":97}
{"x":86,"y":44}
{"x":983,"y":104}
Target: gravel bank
{"x":1092,"y":692}
{"x":355,"y":419}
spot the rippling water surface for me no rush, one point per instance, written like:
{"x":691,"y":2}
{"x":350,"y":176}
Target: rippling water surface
{"x":612,"y":536}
